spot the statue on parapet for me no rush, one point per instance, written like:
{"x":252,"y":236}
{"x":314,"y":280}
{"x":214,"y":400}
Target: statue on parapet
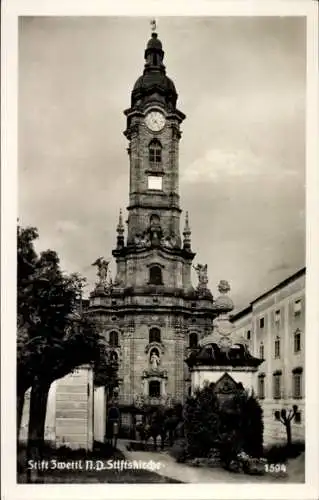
{"x":102,"y":270}
{"x":201,"y":270}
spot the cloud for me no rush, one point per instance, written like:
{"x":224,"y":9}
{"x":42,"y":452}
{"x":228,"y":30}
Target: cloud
{"x":219,"y":164}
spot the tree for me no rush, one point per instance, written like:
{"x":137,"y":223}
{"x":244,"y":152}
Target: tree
{"x":54,"y":337}
{"x":285,"y":417}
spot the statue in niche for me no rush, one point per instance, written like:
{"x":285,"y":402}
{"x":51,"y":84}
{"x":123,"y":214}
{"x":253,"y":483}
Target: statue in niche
{"x":102,"y":266}
{"x":155,"y":230}
{"x":155,"y":360}
{"x":201,"y":270}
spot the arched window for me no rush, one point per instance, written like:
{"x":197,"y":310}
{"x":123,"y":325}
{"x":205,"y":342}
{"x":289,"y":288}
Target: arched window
{"x":155,"y":152}
{"x":114,"y":339}
{"x":155,"y":275}
{"x":193,"y":340}
{"x":154,"y":389}
{"x":155,"y":335}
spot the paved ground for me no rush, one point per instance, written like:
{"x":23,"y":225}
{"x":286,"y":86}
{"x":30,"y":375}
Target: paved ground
{"x":188,"y":474}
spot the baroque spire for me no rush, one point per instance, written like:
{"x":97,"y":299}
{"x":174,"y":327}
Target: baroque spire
{"x":187,"y":234}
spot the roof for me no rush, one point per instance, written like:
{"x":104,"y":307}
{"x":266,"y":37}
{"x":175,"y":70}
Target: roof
{"x":279,"y":286}
{"x":282,"y":284}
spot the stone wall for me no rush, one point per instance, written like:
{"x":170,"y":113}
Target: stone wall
{"x":69,"y":417}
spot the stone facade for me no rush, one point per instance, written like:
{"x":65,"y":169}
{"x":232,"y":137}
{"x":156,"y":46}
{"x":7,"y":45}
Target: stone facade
{"x":274,"y":326}
{"x":151,"y":310}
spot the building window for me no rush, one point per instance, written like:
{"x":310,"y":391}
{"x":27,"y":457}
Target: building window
{"x":297,"y":383}
{"x":297,"y":307}
{"x":248,"y":334}
{"x":261,"y":351}
{"x":193,"y":340}
{"x":277,"y":347}
{"x":297,"y":341}
{"x":277,"y":316}
{"x":155,"y":152}
{"x":261,"y":386}
{"x":297,"y":418}
{"x":277,"y":415}
{"x":114,"y":339}
{"x":154,"y":389}
{"x":277,"y":385}
{"x":155,"y":335}
{"x":155,"y":277}
{"x":261,"y":322}
{"x":154,"y":182}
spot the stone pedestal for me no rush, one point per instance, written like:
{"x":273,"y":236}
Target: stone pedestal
{"x":99,"y":423}
{"x":200,"y":375}
{"x":74,"y":410}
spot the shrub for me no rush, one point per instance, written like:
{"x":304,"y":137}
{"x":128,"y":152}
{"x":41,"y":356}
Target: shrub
{"x":125,"y":431}
{"x":281,"y":452}
{"x":179,"y":450}
{"x":202,"y":422}
{"x":233,"y":425}
{"x":252,"y":426}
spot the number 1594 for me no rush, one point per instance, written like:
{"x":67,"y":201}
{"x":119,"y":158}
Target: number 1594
{"x":275,"y":468}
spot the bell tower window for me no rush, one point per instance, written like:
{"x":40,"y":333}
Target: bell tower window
{"x":155,"y":335}
{"x":155,"y":152}
{"x":155,"y":277}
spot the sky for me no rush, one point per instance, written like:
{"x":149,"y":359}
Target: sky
{"x":241,"y":83}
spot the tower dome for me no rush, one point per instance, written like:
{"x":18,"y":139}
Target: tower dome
{"x":154,"y":79}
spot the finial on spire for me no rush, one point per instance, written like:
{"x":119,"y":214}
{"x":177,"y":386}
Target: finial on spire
{"x":120,"y":226}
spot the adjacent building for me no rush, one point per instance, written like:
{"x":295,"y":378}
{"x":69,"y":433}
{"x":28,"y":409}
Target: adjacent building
{"x":274,"y":327}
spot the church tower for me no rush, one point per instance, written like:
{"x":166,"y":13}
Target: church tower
{"x":151,"y":314}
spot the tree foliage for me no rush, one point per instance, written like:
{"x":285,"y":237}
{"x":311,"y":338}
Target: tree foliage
{"x":54,"y":336}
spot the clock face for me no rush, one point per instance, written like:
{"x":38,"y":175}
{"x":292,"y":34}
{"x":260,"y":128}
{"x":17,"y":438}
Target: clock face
{"x":155,"y":121}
